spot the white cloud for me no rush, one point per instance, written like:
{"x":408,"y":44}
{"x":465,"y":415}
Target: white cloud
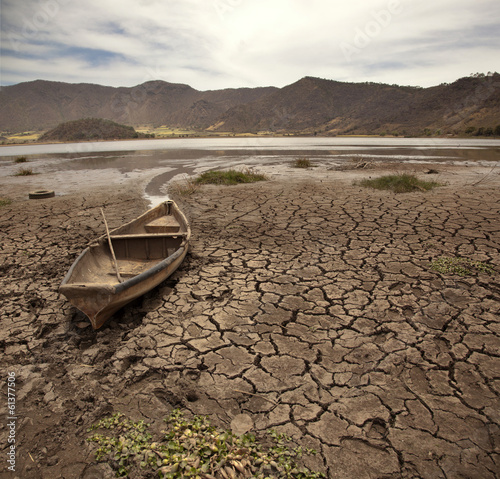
{"x":230,"y":43}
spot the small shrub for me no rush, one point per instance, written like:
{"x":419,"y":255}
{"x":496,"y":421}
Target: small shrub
{"x":229,"y":177}
{"x":5,"y":202}
{"x":402,"y":183}
{"x":24,"y":172}
{"x":460,"y":266}
{"x":302,"y":163}
{"x":21,"y":159}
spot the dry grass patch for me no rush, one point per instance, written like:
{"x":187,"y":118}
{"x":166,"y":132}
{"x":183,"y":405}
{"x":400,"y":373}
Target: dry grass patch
{"x":302,"y":163}
{"x":399,"y":183}
{"x":229,"y":177}
{"x":24,"y":172}
{"x":184,"y":187}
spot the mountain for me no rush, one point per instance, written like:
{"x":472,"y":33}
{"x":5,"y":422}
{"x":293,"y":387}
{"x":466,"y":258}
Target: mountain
{"x":326,"y":106}
{"x":40,"y":105}
{"x":310,"y":105}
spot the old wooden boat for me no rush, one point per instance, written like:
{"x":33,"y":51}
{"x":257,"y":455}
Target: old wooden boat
{"x":127,"y":262}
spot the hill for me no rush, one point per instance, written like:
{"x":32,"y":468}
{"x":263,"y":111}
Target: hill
{"x":310,"y":106}
{"x":89,"y":129}
{"x":40,"y":105}
{"x":329,"y":107}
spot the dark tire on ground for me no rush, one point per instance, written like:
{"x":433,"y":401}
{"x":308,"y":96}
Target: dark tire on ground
{"x":39,"y":194}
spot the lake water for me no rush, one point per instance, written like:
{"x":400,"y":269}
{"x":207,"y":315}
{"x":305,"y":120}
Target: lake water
{"x":157,"y":161}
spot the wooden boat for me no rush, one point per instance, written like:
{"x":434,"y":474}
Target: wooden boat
{"x":144,"y":252}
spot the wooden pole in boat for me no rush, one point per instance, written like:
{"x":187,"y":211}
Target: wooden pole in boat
{"x":111,"y":248}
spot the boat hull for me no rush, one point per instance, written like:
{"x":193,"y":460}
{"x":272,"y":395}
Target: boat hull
{"x":100,"y":301}
{"x":90,"y":284}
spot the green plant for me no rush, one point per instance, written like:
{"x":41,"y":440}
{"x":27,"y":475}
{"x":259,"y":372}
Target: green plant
{"x":401,"y":183}
{"x":229,"y":177}
{"x":21,"y":159}
{"x":302,"y":163}
{"x":193,"y":448}
{"x":131,"y":441}
{"x":460,"y":266}
{"x":5,"y":202}
{"x":24,"y":172}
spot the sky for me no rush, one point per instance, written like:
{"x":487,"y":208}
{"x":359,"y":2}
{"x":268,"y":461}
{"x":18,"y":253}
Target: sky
{"x":216,"y":44}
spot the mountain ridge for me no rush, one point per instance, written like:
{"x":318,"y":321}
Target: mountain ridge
{"x":308,"y":106}
{"x":42,"y":104}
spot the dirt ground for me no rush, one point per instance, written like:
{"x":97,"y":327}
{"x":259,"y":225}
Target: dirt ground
{"x":307,"y":304}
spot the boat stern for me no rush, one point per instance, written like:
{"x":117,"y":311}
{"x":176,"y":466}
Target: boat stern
{"x":92,"y":300}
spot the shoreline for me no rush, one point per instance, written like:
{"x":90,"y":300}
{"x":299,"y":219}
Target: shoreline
{"x":255,"y":135}
{"x":152,"y":184}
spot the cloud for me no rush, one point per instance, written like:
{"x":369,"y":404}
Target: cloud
{"x":215,"y":44}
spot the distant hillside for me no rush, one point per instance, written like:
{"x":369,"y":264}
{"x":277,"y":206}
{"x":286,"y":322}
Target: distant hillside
{"x":308,"y":106}
{"x":89,"y":129}
{"x":40,"y":105}
{"x":330,"y":107}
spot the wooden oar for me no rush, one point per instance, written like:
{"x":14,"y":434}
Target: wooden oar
{"x":111,"y":249}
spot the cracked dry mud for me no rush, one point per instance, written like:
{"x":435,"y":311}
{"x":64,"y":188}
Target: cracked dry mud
{"x":306,"y":305}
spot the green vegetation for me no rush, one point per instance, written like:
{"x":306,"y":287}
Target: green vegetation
{"x":166,"y":132}
{"x":401,"y":183}
{"x":5,"y":201}
{"x":229,"y":177}
{"x":21,"y":159}
{"x":302,"y":163}
{"x":460,"y":266}
{"x":193,"y":448}
{"x":483,"y":131}
{"x":24,"y":172}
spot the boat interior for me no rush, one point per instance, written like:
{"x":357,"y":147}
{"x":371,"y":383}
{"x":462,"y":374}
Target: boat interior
{"x":164,"y":219}
{"x":138,"y":247}
{"x":134,"y":256}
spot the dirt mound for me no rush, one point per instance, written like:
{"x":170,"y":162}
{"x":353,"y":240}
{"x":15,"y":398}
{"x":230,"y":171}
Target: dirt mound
{"x":90,"y":129}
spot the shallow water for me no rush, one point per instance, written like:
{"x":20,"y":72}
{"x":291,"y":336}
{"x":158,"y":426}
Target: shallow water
{"x":156,"y":162}
{"x":245,"y":143}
